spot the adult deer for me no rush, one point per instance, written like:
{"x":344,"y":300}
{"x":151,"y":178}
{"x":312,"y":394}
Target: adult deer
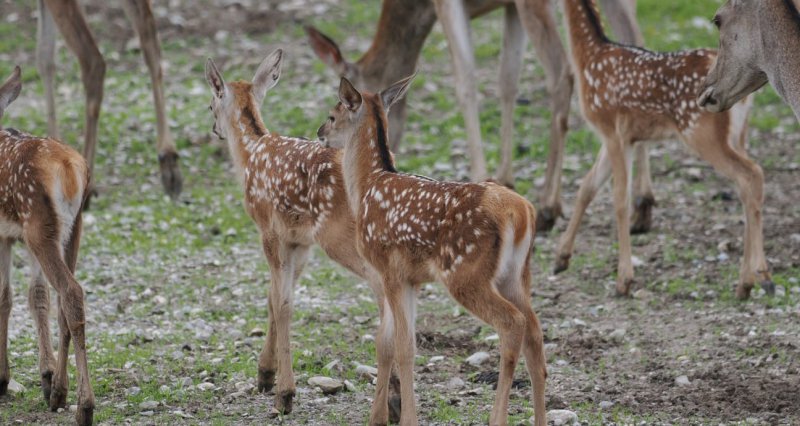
{"x":631,"y":95}
{"x":43,"y":189}
{"x":744,"y":64}
{"x":476,"y":238}
{"x":68,"y":17}
{"x":402,"y":29}
{"x":294,"y":192}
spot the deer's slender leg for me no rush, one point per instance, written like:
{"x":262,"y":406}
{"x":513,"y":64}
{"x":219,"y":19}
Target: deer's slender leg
{"x":591,"y":183}
{"x":71,"y":305}
{"x":46,"y":64}
{"x":749,"y":179}
{"x":141,"y":14}
{"x":5,"y":311}
{"x":455,"y":24}
{"x":510,"y":66}
{"x":618,"y":150}
{"x":401,"y":308}
{"x":39,"y":305}
{"x":267,"y":362}
{"x":70,"y":21}
{"x":483,"y":301}
{"x":385,"y":349}
{"x":539,"y":21}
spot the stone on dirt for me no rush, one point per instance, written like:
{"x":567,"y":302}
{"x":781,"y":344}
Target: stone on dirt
{"x":148,"y":405}
{"x":366,"y":372}
{"x":205,"y":386}
{"x":256,"y":332}
{"x":682,"y":381}
{"x":328,"y":385}
{"x":478,"y":358}
{"x":561,"y":418}
{"x":617,"y":335}
{"x":15,"y":387}
{"x":455,"y":383}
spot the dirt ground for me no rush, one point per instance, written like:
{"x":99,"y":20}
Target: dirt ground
{"x":611,"y":360}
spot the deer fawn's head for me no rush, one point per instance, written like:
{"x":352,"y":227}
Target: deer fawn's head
{"x":736,"y":72}
{"x":232,"y":102}
{"x":9,"y":91}
{"x":355,"y":107}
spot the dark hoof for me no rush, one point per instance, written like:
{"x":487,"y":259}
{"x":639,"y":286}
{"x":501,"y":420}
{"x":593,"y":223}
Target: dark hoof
{"x":171,"y":177}
{"x":85,"y":416}
{"x":743,"y":291}
{"x":642,"y":220}
{"x":266,"y":380}
{"x":283,"y":402}
{"x":562,"y":263}
{"x":47,"y":381}
{"x":3,"y":387}
{"x":546,"y":218}
{"x":394,"y":399}
{"x":58,"y":399}
{"x":769,"y":287}
{"x":624,"y":288}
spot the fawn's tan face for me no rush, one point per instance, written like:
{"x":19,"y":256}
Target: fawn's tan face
{"x":342,"y":119}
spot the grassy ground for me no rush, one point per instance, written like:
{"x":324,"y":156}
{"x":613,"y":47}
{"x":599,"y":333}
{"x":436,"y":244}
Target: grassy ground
{"x":174,"y":289}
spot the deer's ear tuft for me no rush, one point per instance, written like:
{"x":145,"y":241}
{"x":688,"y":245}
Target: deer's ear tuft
{"x":267,"y":75}
{"x":395,"y":92}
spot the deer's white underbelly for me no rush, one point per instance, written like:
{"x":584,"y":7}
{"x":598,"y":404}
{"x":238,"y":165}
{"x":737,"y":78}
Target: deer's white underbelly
{"x":9,"y":229}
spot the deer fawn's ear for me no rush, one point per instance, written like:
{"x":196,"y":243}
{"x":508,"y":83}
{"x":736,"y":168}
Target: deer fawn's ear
{"x":267,"y":75}
{"x":348,"y":95}
{"x":327,"y":50}
{"x":10,"y":89}
{"x":395,"y":92}
{"x":214,"y":79}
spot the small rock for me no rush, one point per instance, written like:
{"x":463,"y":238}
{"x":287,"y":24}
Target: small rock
{"x":148,"y":405}
{"x":163,"y":389}
{"x":617,"y":335}
{"x":15,"y":387}
{"x":73,"y":408}
{"x":642,"y":294}
{"x":256,"y":332}
{"x":472,"y":392}
{"x":160,"y":300}
{"x":478,"y":358}
{"x":148,"y":413}
{"x":682,"y":381}
{"x":328,"y":385}
{"x":492,"y":338}
{"x":367,"y":338}
{"x":331,"y":365}
{"x":205,"y":386}
{"x":455,"y":383}
{"x":185,"y":382}
{"x":579,"y":322}
{"x":366,"y":372}
{"x":361,"y":319}
{"x":605,"y":405}
{"x":550,"y":347}
{"x":131,"y":391}
{"x":561,"y":418}
{"x":637,"y":262}
{"x":436,"y":358}
{"x":349,"y":386}
{"x":244,"y":386}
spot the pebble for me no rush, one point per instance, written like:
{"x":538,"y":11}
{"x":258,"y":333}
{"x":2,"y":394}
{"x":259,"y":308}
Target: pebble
{"x":492,"y":338}
{"x":549,"y":347}
{"x":331,"y":365}
{"x":617,"y":335}
{"x":436,"y":358}
{"x":472,"y":392}
{"x":561,"y":418}
{"x":205,"y":386}
{"x":148,"y":405}
{"x":256,"y":332}
{"x":133,"y":390}
{"x":349,"y":386}
{"x":244,"y":386}
{"x":682,"y":381}
{"x":185,"y":382}
{"x":366,"y":372}
{"x":637,"y":262}
{"x":478,"y":358}
{"x":148,"y":413}
{"x":73,"y":408}
{"x":579,"y":322}
{"x":328,"y":385}
{"x":15,"y":387}
{"x":367,"y":338}
{"x":455,"y":383}
{"x":642,"y":294}
{"x":605,"y":405}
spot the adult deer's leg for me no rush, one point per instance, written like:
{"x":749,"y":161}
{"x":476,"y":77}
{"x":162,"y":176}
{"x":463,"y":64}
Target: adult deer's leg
{"x":749,"y":179}
{"x":70,"y":21}
{"x":5,"y":311}
{"x":72,"y":315}
{"x":510,"y":66}
{"x":455,"y":23}
{"x":591,"y":183}
{"x":39,"y":305}
{"x":484,"y":302}
{"x":46,"y":64}
{"x":539,"y":21}
{"x":140,"y":12}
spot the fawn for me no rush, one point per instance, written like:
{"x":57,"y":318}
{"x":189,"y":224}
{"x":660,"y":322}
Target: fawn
{"x":294,"y":192}
{"x":476,"y":238}
{"x":630,"y":95}
{"x":43,"y":188}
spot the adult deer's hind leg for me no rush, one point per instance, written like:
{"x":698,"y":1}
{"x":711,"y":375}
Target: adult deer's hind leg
{"x":5,"y":311}
{"x":540,"y":24}
{"x":455,"y":23}
{"x":46,"y":64}
{"x":72,"y":24}
{"x":141,"y":14}
{"x":510,"y":66}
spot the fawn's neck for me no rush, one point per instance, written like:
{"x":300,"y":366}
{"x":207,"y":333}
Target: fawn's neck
{"x":586,"y":32}
{"x":247,"y":131}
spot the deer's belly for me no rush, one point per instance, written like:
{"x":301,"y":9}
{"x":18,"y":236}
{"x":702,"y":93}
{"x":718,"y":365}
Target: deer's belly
{"x":9,"y":229}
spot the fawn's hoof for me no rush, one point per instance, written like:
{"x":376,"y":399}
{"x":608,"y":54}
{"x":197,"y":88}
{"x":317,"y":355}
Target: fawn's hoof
{"x":283,"y":402}
{"x":266,"y":380}
{"x":47,"y":383}
{"x":58,"y":399}
{"x":769,"y":287}
{"x":624,"y":287}
{"x":642,"y":220}
{"x":743,"y":291}
{"x":3,"y":387}
{"x":85,"y":415}
{"x":171,"y":177}
{"x":546,"y":218}
{"x":562,"y":263}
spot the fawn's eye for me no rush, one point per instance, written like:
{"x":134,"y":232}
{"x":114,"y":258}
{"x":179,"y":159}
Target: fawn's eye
{"x":717,"y":21}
